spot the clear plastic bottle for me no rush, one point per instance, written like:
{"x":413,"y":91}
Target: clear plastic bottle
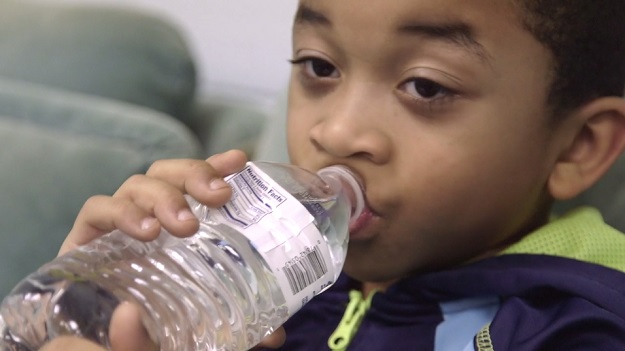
{"x":281,"y":240}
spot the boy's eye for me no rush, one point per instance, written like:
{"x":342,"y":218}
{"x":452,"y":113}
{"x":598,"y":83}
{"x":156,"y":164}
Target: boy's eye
{"x":318,"y":68}
{"x":321,"y":68}
{"x":426,"y":89}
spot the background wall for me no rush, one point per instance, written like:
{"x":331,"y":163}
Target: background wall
{"x":241,"y":46}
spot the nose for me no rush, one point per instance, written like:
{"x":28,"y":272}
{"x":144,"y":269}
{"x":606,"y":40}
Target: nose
{"x":353,"y":125}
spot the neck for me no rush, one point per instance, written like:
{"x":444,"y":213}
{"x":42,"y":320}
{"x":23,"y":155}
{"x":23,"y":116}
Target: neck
{"x":368,"y":287}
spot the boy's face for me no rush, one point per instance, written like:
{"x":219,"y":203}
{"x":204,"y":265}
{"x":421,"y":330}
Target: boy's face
{"x":439,"y":105}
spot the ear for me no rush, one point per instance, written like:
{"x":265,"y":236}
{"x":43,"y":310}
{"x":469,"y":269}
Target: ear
{"x":597,"y":140}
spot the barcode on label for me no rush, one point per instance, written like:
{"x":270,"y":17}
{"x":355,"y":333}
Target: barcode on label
{"x":305,"y":271}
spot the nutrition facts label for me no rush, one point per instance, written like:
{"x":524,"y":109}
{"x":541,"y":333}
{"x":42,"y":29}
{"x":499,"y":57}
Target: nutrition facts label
{"x":252,"y":198}
{"x":282,"y":231}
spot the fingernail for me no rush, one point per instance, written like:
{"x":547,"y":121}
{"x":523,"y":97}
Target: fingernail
{"x":147,"y":223}
{"x":217,"y":184}
{"x":185,"y":215}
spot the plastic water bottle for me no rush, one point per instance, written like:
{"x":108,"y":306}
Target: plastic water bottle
{"x":281,"y":240}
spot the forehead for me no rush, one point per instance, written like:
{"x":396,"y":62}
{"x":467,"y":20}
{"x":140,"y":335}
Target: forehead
{"x":461,"y":21}
{"x":484,"y":29}
{"x":397,"y":9}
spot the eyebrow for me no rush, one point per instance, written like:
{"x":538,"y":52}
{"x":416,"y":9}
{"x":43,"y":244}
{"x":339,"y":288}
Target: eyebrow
{"x":459,"y":34}
{"x":306,"y":15}
{"x":456,"y":33}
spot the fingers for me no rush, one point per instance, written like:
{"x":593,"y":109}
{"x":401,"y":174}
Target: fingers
{"x":274,"y":340}
{"x":127,"y":332}
{"x":70,"y":343}
{"x":102,"y":214}
{"x":171,"y":177}
{"x":228,"y":162}
{"x":145,"y":204}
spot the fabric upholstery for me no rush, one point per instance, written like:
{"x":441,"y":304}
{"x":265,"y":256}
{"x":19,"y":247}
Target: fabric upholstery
{"x":57,"y":149}
{"x":116,"y":53}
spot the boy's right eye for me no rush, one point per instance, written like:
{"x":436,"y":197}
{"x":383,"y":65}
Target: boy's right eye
{"x":317,"y":68}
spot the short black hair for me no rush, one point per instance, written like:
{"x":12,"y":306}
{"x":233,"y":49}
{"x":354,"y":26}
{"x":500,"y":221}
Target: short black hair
{"x":587,"y":42}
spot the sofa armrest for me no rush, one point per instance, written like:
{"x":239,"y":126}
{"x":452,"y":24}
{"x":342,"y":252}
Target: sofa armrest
{"x":222,"y":124}
{"x":57,"y":149}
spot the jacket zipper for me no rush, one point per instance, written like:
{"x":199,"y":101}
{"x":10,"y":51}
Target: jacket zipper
{"x":353,"y":316}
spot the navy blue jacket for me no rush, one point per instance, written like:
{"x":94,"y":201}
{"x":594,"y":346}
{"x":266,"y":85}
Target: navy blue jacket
{"x":560,"y":288}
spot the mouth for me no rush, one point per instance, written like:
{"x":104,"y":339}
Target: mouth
{"x":362,"y":215}
{"x":358,"y":225}
{"x":365,"y":215}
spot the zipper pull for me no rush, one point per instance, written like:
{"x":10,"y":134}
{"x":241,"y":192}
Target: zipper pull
{"x":353,"y":316}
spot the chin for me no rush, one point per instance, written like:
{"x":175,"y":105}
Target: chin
{"x":365,"y":273}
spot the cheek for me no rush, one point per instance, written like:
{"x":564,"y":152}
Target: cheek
{"x":499,"y":174}
{"x":480,"y":191}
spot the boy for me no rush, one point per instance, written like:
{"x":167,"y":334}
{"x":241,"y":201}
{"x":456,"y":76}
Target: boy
{"x":466,"y":120}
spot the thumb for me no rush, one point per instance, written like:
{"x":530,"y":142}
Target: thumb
{"x":274,"y":340}
{"x":127,"y":332}
{"x":71,"y":343}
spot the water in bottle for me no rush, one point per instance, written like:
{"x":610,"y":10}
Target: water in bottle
{"x":280,"y":241}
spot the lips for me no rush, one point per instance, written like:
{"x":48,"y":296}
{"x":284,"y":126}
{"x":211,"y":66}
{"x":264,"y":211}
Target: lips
{"x":353,"y":186}
{"x":358,"y":224}
{"x":361,"y":222}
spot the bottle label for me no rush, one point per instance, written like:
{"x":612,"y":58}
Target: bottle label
{"x":283,"y":232}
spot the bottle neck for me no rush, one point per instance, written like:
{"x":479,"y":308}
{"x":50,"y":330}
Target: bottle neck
{"x":341,"y":179}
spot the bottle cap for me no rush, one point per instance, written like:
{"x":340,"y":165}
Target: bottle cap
{"x":351,"y":185}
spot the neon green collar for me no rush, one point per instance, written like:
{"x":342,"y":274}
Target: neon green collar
{"x":580,"y":234}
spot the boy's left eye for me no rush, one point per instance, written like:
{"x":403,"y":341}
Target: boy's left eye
{"x":424,"y":89}
{"x":317,"y":68}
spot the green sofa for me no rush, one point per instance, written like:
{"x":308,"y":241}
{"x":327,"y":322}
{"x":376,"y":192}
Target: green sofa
{"x":89,"y":96}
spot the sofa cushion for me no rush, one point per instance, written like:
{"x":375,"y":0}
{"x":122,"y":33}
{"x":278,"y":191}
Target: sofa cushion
{"x":112,"y":52}
{"x":57,"y":149}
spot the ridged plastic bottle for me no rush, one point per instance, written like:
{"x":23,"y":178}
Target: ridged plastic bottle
{"x":281,"y":240}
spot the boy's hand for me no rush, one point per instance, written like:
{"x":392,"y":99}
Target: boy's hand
{"x":140,"y":208}
{"x":273,"y":341}
{"x":70,"y":343}
{"x":127,"y":334}
{"x":146,"y":203}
